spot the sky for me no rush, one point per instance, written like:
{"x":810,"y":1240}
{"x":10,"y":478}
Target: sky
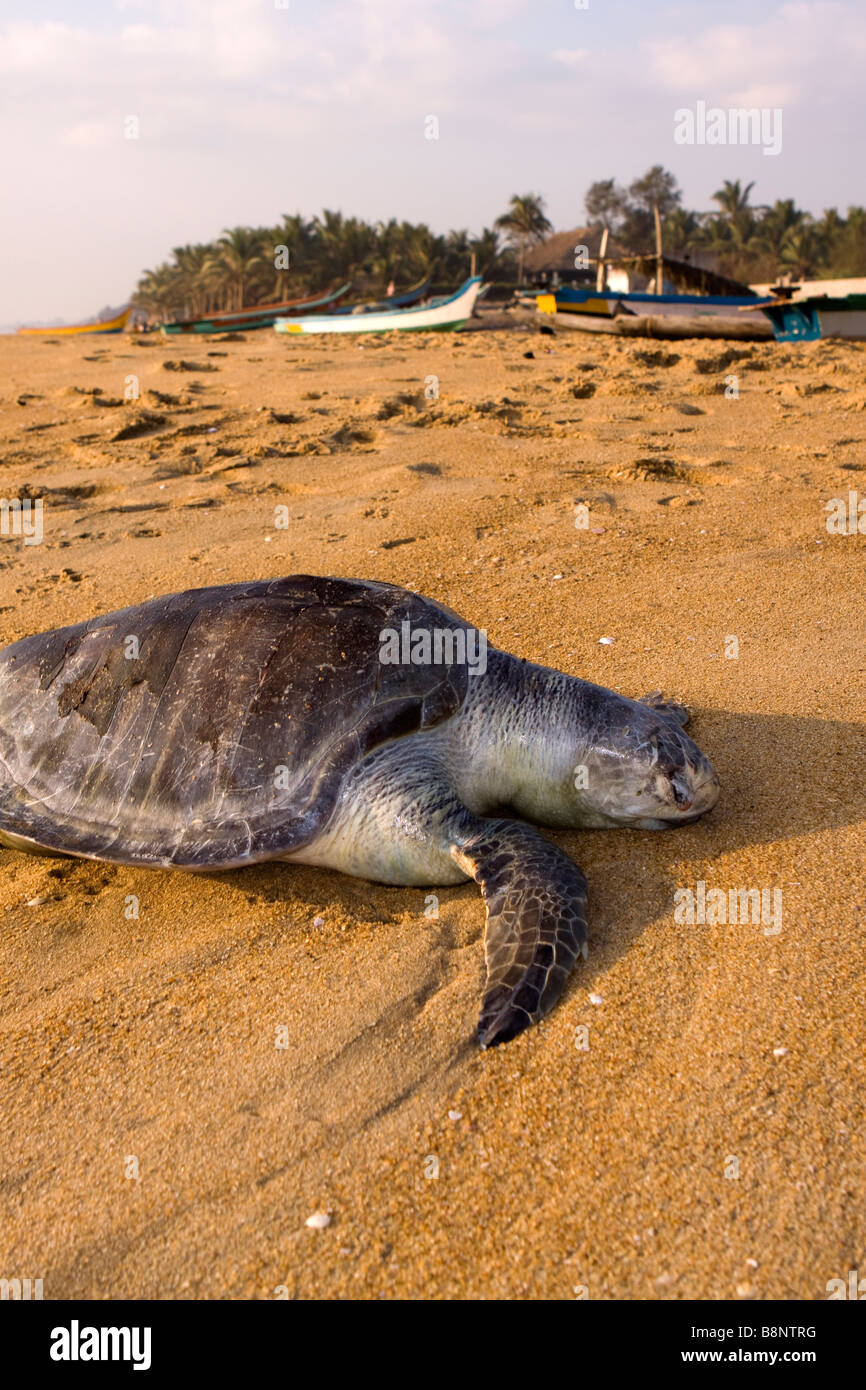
{"x":250,"y":109}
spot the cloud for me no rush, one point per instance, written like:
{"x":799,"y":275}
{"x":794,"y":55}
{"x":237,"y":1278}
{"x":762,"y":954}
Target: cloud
{"x":570,"y":57}
{"x":89,"y":135}
{"x":786,"y":58}
{"x":248,"y":111}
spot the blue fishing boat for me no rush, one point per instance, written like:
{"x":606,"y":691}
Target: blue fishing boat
{"x":817,"y":316}
{"x":633,"y":314}
{"x":391,"y":301}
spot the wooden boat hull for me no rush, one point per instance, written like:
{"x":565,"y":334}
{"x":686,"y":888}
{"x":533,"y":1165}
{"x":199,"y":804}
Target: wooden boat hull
{"x":115,"y":325}
{"x":449,"y":312}
{"x":246,"y":320}
{"x":656,"y":316}
{"x":662,"y":326}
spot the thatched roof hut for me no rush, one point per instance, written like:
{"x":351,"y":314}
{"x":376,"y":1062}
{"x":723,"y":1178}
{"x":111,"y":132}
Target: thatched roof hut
{"x":553,"y":261}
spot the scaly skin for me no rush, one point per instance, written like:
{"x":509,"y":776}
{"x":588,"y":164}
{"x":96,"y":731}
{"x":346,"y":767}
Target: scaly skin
{"x":415,"y":812}
{"x":260,"y":720}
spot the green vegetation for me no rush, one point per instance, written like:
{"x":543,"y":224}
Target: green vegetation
{"x":749,"y":243}
{"x":524,"y":224}
{"x":255,"y":265}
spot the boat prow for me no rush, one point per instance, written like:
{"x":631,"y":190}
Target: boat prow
{"x":114,"y":325}
{"x":447,"y":312}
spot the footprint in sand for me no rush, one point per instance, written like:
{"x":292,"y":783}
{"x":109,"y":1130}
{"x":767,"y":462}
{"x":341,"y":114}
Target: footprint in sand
{"x":656,"y":359}
{"x":143,"y":422}
{"x":179,"y":468}
{"x":287,"y":418}
{"x":349,"y":436}
{"x":165,"y":398}
{"x":179,"y":364}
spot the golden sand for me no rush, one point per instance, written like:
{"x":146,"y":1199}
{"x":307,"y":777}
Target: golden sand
{"x":708,"y":1141}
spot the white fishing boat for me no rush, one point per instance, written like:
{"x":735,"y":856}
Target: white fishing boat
{"x":448,"y":311}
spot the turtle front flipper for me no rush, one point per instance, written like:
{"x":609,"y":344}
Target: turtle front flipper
{"x":668,"y":709}
{"x":536,"y":923}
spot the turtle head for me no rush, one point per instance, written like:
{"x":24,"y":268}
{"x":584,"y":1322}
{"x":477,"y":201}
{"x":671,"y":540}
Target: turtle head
{"x":570,"y":753}
{"x":639,"y":768}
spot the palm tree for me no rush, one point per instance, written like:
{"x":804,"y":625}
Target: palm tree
{"x":605,"y":203}
{"x":193,"y":277}
{"x":733,"y":231}
{"x":800,"y":251}
{"x":524,"y":224}
{"x":236,"y":254}
{"x":682,"y":231}
{"x":344,"y":245}
{"x":485,"y":248}
{"x":294,"y":232}
{"x":156,"y":292}
{"x":778,"y":222}
{"x":733,"y":199}
{"x":849,"y":256}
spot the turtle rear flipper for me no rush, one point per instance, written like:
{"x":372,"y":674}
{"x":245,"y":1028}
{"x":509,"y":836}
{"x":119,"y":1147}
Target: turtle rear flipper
{"x":536,"y":923}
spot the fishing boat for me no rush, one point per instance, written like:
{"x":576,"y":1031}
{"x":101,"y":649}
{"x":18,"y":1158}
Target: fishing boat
{"x":114,"y":325}
{"x":256,"y":316}
{"x":631,"y":314}
{"x":392,"y":301}
{"x":448,"y":311}
{"x":817,"y":316}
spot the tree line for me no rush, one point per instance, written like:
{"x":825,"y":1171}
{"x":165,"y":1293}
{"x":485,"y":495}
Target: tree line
{"x":749,"y":242}
{"x":254,"y":265}
{"x":258,"y":265}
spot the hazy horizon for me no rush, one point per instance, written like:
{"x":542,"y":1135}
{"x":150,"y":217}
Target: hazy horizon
{"x":247,"y":112}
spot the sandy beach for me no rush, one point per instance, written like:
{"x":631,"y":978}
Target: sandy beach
{"x":269,"y":1043}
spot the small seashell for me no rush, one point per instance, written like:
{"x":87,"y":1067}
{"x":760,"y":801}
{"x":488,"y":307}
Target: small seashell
{"x":455,"y":1115}
{"x":780,"y":1051}
{"x":37,"y":902}
{"x":605,"y":641}
{"x":318,"y":921}
{"x":596,"y":999}
{"x":318,"y":1221}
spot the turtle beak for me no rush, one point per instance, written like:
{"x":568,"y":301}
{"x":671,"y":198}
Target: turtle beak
{"x":695,"y":790}
{"x":683,"y":793}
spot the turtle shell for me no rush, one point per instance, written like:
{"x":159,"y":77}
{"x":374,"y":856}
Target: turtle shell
{"x":210,"y":728}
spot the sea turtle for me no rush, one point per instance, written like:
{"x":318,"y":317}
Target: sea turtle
{"x":343,"y":723}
